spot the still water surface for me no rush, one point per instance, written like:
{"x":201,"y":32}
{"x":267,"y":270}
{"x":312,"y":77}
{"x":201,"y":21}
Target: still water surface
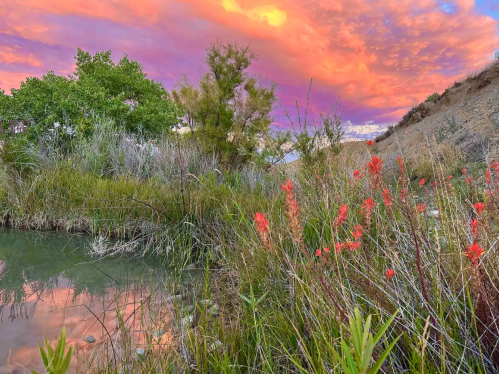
{"x":48,"y":281}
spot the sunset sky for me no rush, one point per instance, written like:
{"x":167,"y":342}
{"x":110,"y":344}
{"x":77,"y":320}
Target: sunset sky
{"x":380,"y":57}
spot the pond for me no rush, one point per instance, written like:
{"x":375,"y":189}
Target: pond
{"x":48,"y":281}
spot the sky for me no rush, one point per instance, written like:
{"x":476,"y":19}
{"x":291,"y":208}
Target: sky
{"x":378,"y":58}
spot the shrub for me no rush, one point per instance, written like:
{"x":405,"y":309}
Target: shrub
{"x":433,"y":97}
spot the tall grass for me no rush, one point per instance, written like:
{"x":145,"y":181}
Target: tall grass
{"x":287,"y":288}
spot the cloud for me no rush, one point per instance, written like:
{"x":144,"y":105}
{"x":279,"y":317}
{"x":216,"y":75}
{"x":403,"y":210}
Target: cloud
{"x":379,"y":57}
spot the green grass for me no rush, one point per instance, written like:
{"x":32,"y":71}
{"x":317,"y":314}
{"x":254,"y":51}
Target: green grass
{"x":282,"y":309}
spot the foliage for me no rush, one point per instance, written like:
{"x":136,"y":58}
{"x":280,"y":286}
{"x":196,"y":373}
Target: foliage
{"x":433,"y":97}
{"x":54,"y":360}
{"x":98,"y":88}
{"x":311,"y":140}
{"x":363,"y":344}
{"x":229,"y":109}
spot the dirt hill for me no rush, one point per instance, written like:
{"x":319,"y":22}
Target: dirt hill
{"x":459,"y":127}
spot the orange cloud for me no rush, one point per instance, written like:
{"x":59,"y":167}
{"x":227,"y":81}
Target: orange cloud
{"x":380,"y":57}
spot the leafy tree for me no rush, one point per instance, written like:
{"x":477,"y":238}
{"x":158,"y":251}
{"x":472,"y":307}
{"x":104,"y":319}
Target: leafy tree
{"x":98,"y":88}
{"x":229,"y":109}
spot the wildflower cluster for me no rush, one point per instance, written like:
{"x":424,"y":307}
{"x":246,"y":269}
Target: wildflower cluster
{"x":292,"y":212}
{"x":262,"y":226}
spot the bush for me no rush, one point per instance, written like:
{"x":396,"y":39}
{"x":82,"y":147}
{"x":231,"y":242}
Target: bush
{"x":98,"y":87}
{"x":433,"y":97}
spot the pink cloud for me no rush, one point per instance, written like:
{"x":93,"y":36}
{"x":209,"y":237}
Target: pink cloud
{"x":381,"y":57}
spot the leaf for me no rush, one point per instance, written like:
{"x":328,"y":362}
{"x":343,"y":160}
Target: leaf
{"x":383,"y":357}
{"x":383,"y":329}
{"x":64,"y":367}
{"x":43,"y":355}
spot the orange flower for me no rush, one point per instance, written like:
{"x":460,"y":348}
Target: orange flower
{"x":357,"y":233}
{"x":487,"y":177}
{"x":357,"y":175}
{"x":479,"y":207}
{"x":474,"y":227}
{"x":261,"y":222}
{"x":368,"y":205}
{"x":387,"y":198}
{"x":474,"y":252}
{"x":339,"y":247}
{"x":352,"y":246}
{"x":390,"y":273}
{"x":374,"y":166}
{"x":401,"y":164}
{"x":342,"y":215}
{"x":402,"y":193}
{"x":288,"y":187}
{"x":421,"y":183}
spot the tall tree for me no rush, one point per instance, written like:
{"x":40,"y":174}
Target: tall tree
{"x":229,"y":109}
{"x":99,"y":88}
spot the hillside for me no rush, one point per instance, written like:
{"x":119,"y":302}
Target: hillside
{"x":459,"y":127}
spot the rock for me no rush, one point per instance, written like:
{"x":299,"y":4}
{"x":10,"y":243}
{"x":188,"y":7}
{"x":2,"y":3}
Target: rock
{"x":88,"y":339}
{"x":188,"y":309}
{"x":140,"y":353}
{"x":213,"y":311}
{"x":203,"y":303}
{"x":434,"y":213}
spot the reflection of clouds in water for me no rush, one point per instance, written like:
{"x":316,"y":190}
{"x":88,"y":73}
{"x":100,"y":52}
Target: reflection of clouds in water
{"x":84,"y":315}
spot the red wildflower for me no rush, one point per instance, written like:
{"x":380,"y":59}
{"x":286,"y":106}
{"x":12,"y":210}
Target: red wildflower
{"x":421,"y":207}
{"x":292,"y":212}
{"x":357,"y":233}
{"x":402,"y":193}
{"x":262,"y":226}
{"x":421,"y":183}
{"x":339,"y":247}
{"x":468,"y":182}
{"x":261,"y":222}
{"x":449,"y":178}
{"x":288,"y":187}
{"x":352,"y":246}
{"x":474,"y":252}
{"x":326,"y":250}
{"x":494,"y":165}
{"x":479,"y":208}
{"x":375,"y":165}
{"x":387,"y":198}
{"x":369,"y":143}
{"x":318,"y":253}
{"x":357,"y":175}
{"x":474,"y":227}
{"x":487,"y":177}
{"x":390,"y":273}
{"x":464,"y":172}
{"x":401,"y":164}
{"x":342,"y":215}
{"x":368,"y":205}
{"x":329,"y":175}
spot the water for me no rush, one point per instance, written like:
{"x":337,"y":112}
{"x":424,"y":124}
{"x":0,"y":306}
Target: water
{"x":47,"y":281}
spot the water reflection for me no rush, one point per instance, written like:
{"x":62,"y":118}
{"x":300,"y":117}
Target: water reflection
{"x":47,"y":282}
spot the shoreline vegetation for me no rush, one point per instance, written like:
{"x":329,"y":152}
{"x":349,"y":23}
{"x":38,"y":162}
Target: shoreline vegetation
{"x":335,"y":264}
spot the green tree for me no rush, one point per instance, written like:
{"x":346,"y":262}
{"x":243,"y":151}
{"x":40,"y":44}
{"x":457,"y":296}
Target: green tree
{"x":99,"y":87}
{"x":229,"y":109}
